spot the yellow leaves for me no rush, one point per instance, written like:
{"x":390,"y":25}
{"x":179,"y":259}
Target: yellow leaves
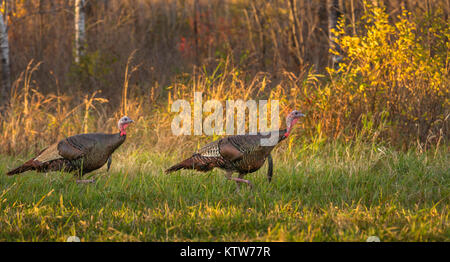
{"x":361,"y":88}
{"x":19,"y":10}
{"x":388,"y":67}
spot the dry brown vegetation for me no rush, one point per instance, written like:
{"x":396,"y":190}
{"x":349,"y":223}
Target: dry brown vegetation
{"x":141,"y":55}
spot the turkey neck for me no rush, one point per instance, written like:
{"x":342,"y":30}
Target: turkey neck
{"x":282,"y":134}
{"x":119,"y":139}
{"x":112,"y":141}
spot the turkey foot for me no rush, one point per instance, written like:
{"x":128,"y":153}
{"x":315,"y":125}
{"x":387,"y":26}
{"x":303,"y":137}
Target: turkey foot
{"x":238,"y":180}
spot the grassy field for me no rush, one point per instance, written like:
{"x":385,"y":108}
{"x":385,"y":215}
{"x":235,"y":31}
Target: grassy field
{"x":325,"y":193}
{"x":389,"y":89}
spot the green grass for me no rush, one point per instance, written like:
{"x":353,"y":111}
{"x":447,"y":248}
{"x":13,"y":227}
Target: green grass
{"x":319,"y":193}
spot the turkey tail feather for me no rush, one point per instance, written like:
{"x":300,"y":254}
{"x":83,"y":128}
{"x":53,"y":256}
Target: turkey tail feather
{"x":23,"y":168}
{"x":174,"y":168}
{"x":196,"y":162}
{"x":186,"y":164}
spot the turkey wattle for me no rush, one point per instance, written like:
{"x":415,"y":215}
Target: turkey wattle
{"x":81,"y":153}
{"x":240,"y":153}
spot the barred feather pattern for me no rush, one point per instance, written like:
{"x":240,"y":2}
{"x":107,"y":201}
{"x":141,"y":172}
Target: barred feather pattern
{"x":254,"y":155}
{"x":210,"y":150}
{"x":241,"y":153}
{"x":61,"y":165}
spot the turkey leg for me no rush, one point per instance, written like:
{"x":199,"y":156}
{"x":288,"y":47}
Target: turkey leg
{"x":269,"y":168}
{"x":229,"y":176}
{"x":109,"y":163}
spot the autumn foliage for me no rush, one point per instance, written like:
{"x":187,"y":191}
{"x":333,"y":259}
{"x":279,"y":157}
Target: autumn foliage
{"x":391,"y":87}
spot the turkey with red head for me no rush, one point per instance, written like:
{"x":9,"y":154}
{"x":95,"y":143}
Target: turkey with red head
{"x":81,"y":153}
{"x":239,"y":153}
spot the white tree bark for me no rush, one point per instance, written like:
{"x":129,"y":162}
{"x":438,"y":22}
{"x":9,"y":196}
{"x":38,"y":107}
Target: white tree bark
{"x":80,"y":29}
{"x":4,"y":57}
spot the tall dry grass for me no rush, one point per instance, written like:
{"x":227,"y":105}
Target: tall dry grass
{"x":143,"y":55}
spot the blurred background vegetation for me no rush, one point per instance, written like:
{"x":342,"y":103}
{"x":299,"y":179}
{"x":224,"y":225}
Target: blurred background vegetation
{"x":380,"y":75}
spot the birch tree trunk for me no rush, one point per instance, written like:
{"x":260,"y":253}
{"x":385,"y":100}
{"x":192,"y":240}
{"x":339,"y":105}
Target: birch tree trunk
{"x":5,"y":66}
{"x":333,"y":16}
{"x":80,"y":29}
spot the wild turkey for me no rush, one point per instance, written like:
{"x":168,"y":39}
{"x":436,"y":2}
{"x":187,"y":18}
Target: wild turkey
{"x":240,"y":153}
{"x":81,"y":153}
